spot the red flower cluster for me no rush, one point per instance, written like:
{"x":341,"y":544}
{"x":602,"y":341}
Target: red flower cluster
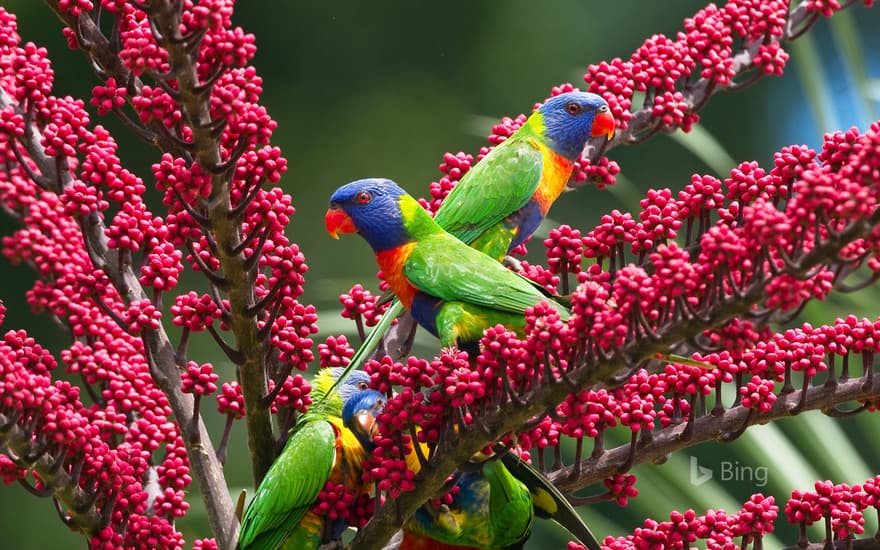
{"x":716,"y":527}
{"x":841,"y":505}
{"x":84,"y":219}
{"x":359,"y":304}
{"x":230,"y":400}
{"x":199,"y":379}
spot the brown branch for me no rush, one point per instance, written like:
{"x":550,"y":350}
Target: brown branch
{"x":78,"y":503}
{"x":706,"y":428}
{"x":205,"y":149}
{"x":227,"y":232}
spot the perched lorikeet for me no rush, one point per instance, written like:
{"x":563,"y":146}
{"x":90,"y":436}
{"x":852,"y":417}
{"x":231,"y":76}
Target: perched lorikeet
{"x":451,"y":289}
{"x":502,"y":200}
{"x":492,"y":504}
{"x":489,"y":508}
{"x":319,"y":449}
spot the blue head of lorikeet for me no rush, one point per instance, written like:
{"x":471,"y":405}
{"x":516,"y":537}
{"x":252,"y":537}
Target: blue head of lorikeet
{"x":332,"y":387}
{"x":370,"y":207}
{"x":570,"y":119}
{"x":359,"y":415}
{"x":355,"y":382}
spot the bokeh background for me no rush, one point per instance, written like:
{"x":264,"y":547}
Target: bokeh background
{"x":385,"y":88}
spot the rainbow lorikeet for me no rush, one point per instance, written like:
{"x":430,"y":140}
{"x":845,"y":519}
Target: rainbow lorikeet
{"x":451,"y":289}
{"x":502,"y":200}
{"x":491,"y":505}
{"x":489,"y":508}
{"x":320,"y":448}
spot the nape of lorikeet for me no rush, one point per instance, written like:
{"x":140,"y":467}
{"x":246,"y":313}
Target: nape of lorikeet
{"x":502,"y":200}
{"x":319,"y":449}
{"x":451,"y":289}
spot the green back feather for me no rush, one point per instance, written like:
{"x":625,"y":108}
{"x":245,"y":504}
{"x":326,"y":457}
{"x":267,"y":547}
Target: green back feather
{"x":443,"y":266}
{"x":510,"y":505}
{"x":549,"y":502}
{"x":290,"y":487}
{"x":298,"y":474}
{"x":497,"y":186}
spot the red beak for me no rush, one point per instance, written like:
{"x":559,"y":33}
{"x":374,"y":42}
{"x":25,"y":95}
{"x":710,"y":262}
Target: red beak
{"x":603,"y":125}
{"x":337,"y":221}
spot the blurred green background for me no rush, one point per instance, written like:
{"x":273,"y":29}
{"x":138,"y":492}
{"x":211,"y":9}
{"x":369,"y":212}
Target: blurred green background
{"x":384,"y":89}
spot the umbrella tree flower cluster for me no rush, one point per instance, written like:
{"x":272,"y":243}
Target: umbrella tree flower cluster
{"x":701,"y":271}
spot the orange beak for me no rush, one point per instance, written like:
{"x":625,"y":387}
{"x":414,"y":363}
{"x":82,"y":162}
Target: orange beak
{"x":337,"y":221}
{"x":367,"y":423}
{"x":603,"y":125}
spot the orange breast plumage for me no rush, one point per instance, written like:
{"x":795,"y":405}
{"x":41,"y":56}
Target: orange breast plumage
{"x":554,"y":176}
{"x":391,"y":263}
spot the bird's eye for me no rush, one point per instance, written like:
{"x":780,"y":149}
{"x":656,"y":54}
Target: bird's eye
{"x":363,"y":197}
{"x":363,"y":386}
{"x":603,"y":109}
{"x":573,"y":108}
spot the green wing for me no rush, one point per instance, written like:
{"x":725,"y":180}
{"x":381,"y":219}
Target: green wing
{"x":497,"y":186}
{"x":549,"y":502}
{"x":443,"y":266}
{"x":491,"y":509}
{"x":510,"y":505}
{"x":290,"y":487}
